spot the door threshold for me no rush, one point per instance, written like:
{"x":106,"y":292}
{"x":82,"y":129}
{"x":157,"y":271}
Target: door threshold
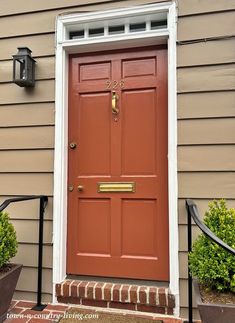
{"x":140,"y":282}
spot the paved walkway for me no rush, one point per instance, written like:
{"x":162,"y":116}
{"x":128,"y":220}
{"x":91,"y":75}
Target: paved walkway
{"x":20,"y":312}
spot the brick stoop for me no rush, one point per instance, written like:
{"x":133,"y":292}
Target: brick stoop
{"x":112,"y":295}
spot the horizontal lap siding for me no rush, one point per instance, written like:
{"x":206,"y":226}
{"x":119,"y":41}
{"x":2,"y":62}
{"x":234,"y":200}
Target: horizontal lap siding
{"x":190,"y":7}
{"x":207,"y":78}
{"x":205,"y":26}
{"x":28,"y":114}
{"x":14,"y":8}
{"x":27,"y":231}
{"x":28,"y":210}
{"x":215,"y":158}
{"x":40,"y":45}
{"x":202,"y":204}
{"x":206,"y":113}
{"x":206,"y":53}
{"x":44,"y":91}
{"x":23,"y":161}
{"x":206,"y":105}
{"x":27,"y":137}
{"x":28,"y":280}
{"x":206,"y":131}
{"x":26,"y":184}
{"x":24,"y":250}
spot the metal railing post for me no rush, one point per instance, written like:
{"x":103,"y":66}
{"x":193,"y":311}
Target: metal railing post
{"x":43,"y":202}
{"x":190,"y":280}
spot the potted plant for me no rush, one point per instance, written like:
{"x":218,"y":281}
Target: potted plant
{"x":214,"y":267}
{"x":9,"y":273}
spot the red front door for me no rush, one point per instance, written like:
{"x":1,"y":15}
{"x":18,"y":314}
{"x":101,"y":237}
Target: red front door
{"x":117,"y":208}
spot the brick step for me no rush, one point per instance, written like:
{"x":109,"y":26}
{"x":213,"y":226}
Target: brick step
{"x":112,"y":295}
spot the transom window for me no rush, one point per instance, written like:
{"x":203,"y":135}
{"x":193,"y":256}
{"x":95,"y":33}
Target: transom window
{"x":123,"y":25}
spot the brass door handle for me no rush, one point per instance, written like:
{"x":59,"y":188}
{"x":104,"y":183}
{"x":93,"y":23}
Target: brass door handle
{"x":114,"y":103}
{"x":80,"y":188}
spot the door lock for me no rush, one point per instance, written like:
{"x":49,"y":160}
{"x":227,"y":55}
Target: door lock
{"x":73,"y":145}
{"x":71,"y":188}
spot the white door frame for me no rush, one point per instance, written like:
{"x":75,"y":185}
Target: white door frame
{"x":64,"y":47}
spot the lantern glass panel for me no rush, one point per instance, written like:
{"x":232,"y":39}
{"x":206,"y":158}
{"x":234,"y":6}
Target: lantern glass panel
{"x":20,"y":69}
{"x":30,"y":69}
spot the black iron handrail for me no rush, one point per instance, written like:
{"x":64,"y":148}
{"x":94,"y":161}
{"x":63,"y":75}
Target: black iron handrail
{"x":43,"y":203}
{"x":193,"y":213}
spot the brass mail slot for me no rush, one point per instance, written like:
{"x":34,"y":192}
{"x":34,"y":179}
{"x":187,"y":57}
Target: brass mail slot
{"x":116,"y":187}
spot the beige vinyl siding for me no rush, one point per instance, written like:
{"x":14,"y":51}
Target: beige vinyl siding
{"x":23,"y":161}
{"x":206,"y":53}
{"x":202,"y":205}
{"x":207,"y":184}
{"x":26,"y":184}
{"x":28,"y":210}
{"x":40,"y":45}
{"x":28,"y":280}
{"x":26,"y":137}
{"x":206,"y":25}
{"x":27,"y":230}
{"x":206,"y":105}
{"x":43,"y":92}
{"x":24,"y":250}
{"x":190,"y":7}
{"x":44,"y":5}
{"x":206,"y":78}
{"x":206,"y":131}
{"x":206,"y":113}
{"x":215,"y":158}
{"x":31,"y":114}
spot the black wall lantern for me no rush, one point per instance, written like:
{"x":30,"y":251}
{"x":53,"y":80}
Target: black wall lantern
{"x":23,"y":67}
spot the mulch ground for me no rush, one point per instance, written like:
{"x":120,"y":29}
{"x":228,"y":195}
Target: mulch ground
{"x":214,"y":297}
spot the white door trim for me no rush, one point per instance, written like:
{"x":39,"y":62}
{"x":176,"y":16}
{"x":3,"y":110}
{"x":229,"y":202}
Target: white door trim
{"x":64,"y":47}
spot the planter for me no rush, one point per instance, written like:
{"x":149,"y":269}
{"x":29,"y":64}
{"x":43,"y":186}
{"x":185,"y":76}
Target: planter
{"x":8,"y":283}
{"x":213,"y":313}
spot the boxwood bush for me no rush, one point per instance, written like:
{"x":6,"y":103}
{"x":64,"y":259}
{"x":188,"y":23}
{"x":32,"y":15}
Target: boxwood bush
{"x":8,"y":242}
{"x":213,"y":266}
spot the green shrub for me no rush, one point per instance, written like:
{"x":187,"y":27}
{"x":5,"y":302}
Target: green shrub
{"x":8,"y":242}
{"x":213,"y":266}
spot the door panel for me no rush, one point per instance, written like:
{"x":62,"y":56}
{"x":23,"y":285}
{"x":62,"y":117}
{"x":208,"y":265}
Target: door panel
{"x":141,"y":213}
{"x":139,"y":132}
{"x":95,"y":71}
{"x":139,"y":67}
{"x":94,"y":134}
{"x":93,"y":227}
{"x":118,"y":234}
